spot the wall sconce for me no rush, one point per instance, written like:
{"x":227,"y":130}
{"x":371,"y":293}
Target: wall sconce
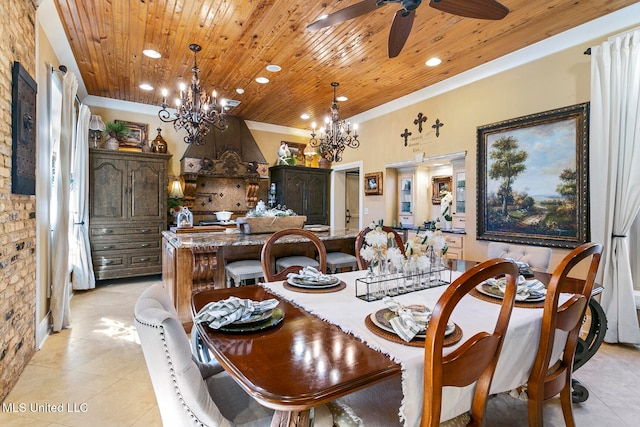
{"x":175,"y":192}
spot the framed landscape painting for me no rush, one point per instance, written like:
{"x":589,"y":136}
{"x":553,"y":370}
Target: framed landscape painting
{"x":533,"y":179}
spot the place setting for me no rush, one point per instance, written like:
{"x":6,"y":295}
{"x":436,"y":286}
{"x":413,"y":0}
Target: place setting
{"x":407,"y":324}
{"x":239,"y":315}
{"x":530,"y":293}
{"x":310,"y":280}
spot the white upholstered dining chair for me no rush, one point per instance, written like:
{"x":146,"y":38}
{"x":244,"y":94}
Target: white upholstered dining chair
{"x":537,"y":257}
{"x":189,"y":393}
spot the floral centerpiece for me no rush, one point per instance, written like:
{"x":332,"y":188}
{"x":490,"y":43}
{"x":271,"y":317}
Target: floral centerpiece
{"x":446,"y":199}
{"x":262,"y":211}
{"x":269,"y":220}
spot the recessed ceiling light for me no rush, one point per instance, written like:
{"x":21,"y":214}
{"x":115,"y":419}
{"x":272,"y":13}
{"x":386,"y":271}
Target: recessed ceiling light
{"x":240,"y":90}
{"x":151,"y":53}
{"x":341,"y":98}
{"x":304,"y":116}
{"x":262,"y":80}
{"x":146,"y":86}
{"x":273,"y":68}
{"x":433,"y":62}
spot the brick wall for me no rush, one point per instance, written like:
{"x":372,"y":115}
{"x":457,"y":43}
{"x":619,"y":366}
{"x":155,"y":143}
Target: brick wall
{"x":17,"y":212}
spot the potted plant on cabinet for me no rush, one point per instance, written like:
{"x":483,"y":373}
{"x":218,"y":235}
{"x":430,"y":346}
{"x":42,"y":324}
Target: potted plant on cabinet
{"x":114,"y":131}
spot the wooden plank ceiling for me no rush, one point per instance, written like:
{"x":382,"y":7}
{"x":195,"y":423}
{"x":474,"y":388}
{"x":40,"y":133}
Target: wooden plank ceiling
{"x":240,"y":38}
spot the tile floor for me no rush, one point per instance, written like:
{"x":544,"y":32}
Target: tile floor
{"x":96,"y":371}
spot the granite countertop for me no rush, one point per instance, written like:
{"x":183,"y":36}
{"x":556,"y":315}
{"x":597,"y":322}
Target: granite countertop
{"x":235,"y":238}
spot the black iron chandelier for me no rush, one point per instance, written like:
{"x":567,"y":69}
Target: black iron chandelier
{"x":335,"y":135}
{"x":196,"y":110}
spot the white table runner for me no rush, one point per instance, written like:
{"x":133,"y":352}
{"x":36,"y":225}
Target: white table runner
{"x":345,"y":310}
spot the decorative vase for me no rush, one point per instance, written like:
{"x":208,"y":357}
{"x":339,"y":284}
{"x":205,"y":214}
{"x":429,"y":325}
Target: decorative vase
{"x":111,"y":143}
{"x":159,"y":145}
{"x":447,"y":225}
{"x":324,"y":163}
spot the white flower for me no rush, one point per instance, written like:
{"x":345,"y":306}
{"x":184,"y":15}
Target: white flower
{"x":423,"y":262}
{"x":367,"y":253}
{"x":395,"y":257}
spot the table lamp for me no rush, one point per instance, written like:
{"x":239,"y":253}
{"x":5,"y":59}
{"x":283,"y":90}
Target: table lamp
{"x":96,"y":127}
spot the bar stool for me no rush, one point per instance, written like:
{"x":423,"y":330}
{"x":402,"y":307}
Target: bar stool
{"x":340,"y":260}
{"x":296,"y":260}
{"x":241,"y":271}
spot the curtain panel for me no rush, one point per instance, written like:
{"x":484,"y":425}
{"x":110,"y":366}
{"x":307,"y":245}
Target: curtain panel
{"x":615,"y":175}
{"x":60,"y":281}
{"x":80,"y":251}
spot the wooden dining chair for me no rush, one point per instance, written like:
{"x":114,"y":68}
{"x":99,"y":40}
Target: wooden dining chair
{"x":548,"y":378}
{"x":360,"y":240}
{"x":474,"y":360}
{"x":267,"y":258}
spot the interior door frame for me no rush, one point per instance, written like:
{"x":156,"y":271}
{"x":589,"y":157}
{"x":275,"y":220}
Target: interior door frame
{"x":338,"y":181}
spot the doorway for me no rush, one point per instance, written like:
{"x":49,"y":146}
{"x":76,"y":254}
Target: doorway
{"x":346,"y":196}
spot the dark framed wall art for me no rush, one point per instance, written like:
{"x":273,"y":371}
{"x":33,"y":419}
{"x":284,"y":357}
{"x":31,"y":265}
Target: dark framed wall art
{"x":23,"y":132}
{"x":533,"y":179}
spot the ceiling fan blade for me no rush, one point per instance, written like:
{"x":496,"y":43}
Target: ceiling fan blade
{"x":479,"y":9}
{"x":400,"y":29}
{"x":345,"y":14}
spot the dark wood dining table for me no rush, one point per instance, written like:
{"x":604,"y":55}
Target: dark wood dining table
{"x":310,"y":351}
{"x":286,"y":367}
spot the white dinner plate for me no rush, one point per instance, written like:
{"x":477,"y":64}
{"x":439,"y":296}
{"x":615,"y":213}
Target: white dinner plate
{"x":487,"y":289}
{"x":314,"y":285}
{"x":380,"y":321}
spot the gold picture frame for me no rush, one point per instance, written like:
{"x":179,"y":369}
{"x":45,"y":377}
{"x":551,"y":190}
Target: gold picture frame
{"x":136,"y":134}
{"x":373,"y":183}
{"x":438,"y":185}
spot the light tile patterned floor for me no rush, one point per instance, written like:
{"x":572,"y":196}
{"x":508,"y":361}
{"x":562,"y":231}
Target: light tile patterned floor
{"x":96,"y":372}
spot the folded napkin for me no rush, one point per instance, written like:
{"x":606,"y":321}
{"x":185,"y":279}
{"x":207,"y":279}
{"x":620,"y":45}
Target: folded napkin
{"x":310,"y":274}
{"x":410,"y":320}
{"x":232,"y":309}
{"x":526,"y":288}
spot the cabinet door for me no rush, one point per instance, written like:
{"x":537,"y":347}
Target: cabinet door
{"x":294,"y":192}
{"x":146,"y":190}
{"x":108,"y":180}
{"x":316,"y":199}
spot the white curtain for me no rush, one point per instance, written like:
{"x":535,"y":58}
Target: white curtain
{"x":60,"y":271}
{"x":615,"y":174}
{"x":79,"y":249}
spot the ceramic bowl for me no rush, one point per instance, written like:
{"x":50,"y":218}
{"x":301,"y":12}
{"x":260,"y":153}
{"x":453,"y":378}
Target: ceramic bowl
{"x":223,"y":215}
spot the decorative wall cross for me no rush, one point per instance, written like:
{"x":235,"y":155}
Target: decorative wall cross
{"x":405,"y":135}
{"x":421,"y":119}
{"x":437,"y":127}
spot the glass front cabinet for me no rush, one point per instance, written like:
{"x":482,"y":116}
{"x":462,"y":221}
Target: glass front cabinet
{"x":406,"y":204}
{"x":459,"y":193}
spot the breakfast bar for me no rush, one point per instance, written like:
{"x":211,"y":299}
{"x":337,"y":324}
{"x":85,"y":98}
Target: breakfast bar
{"x":193,"y":262}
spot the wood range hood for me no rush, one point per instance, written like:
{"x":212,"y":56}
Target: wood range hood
{"x":231,"y":154}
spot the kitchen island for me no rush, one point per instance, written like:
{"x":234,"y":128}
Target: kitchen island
{"x":192,"y":262}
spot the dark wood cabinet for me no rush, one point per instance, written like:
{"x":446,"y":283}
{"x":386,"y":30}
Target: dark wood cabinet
{"x":304,"y":190}
{"x":127,"y":212}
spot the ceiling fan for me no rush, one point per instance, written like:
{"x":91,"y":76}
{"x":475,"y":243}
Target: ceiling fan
{"x":403,"y":19}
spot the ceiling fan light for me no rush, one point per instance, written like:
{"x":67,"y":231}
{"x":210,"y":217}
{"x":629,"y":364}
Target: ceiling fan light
{"x":433,"y":62}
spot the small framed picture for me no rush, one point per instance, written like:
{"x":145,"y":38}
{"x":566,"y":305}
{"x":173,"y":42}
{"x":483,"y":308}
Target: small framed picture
{"x":136,"y":134}
{"x":439,"y":185}
{"x":373,"y":183}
